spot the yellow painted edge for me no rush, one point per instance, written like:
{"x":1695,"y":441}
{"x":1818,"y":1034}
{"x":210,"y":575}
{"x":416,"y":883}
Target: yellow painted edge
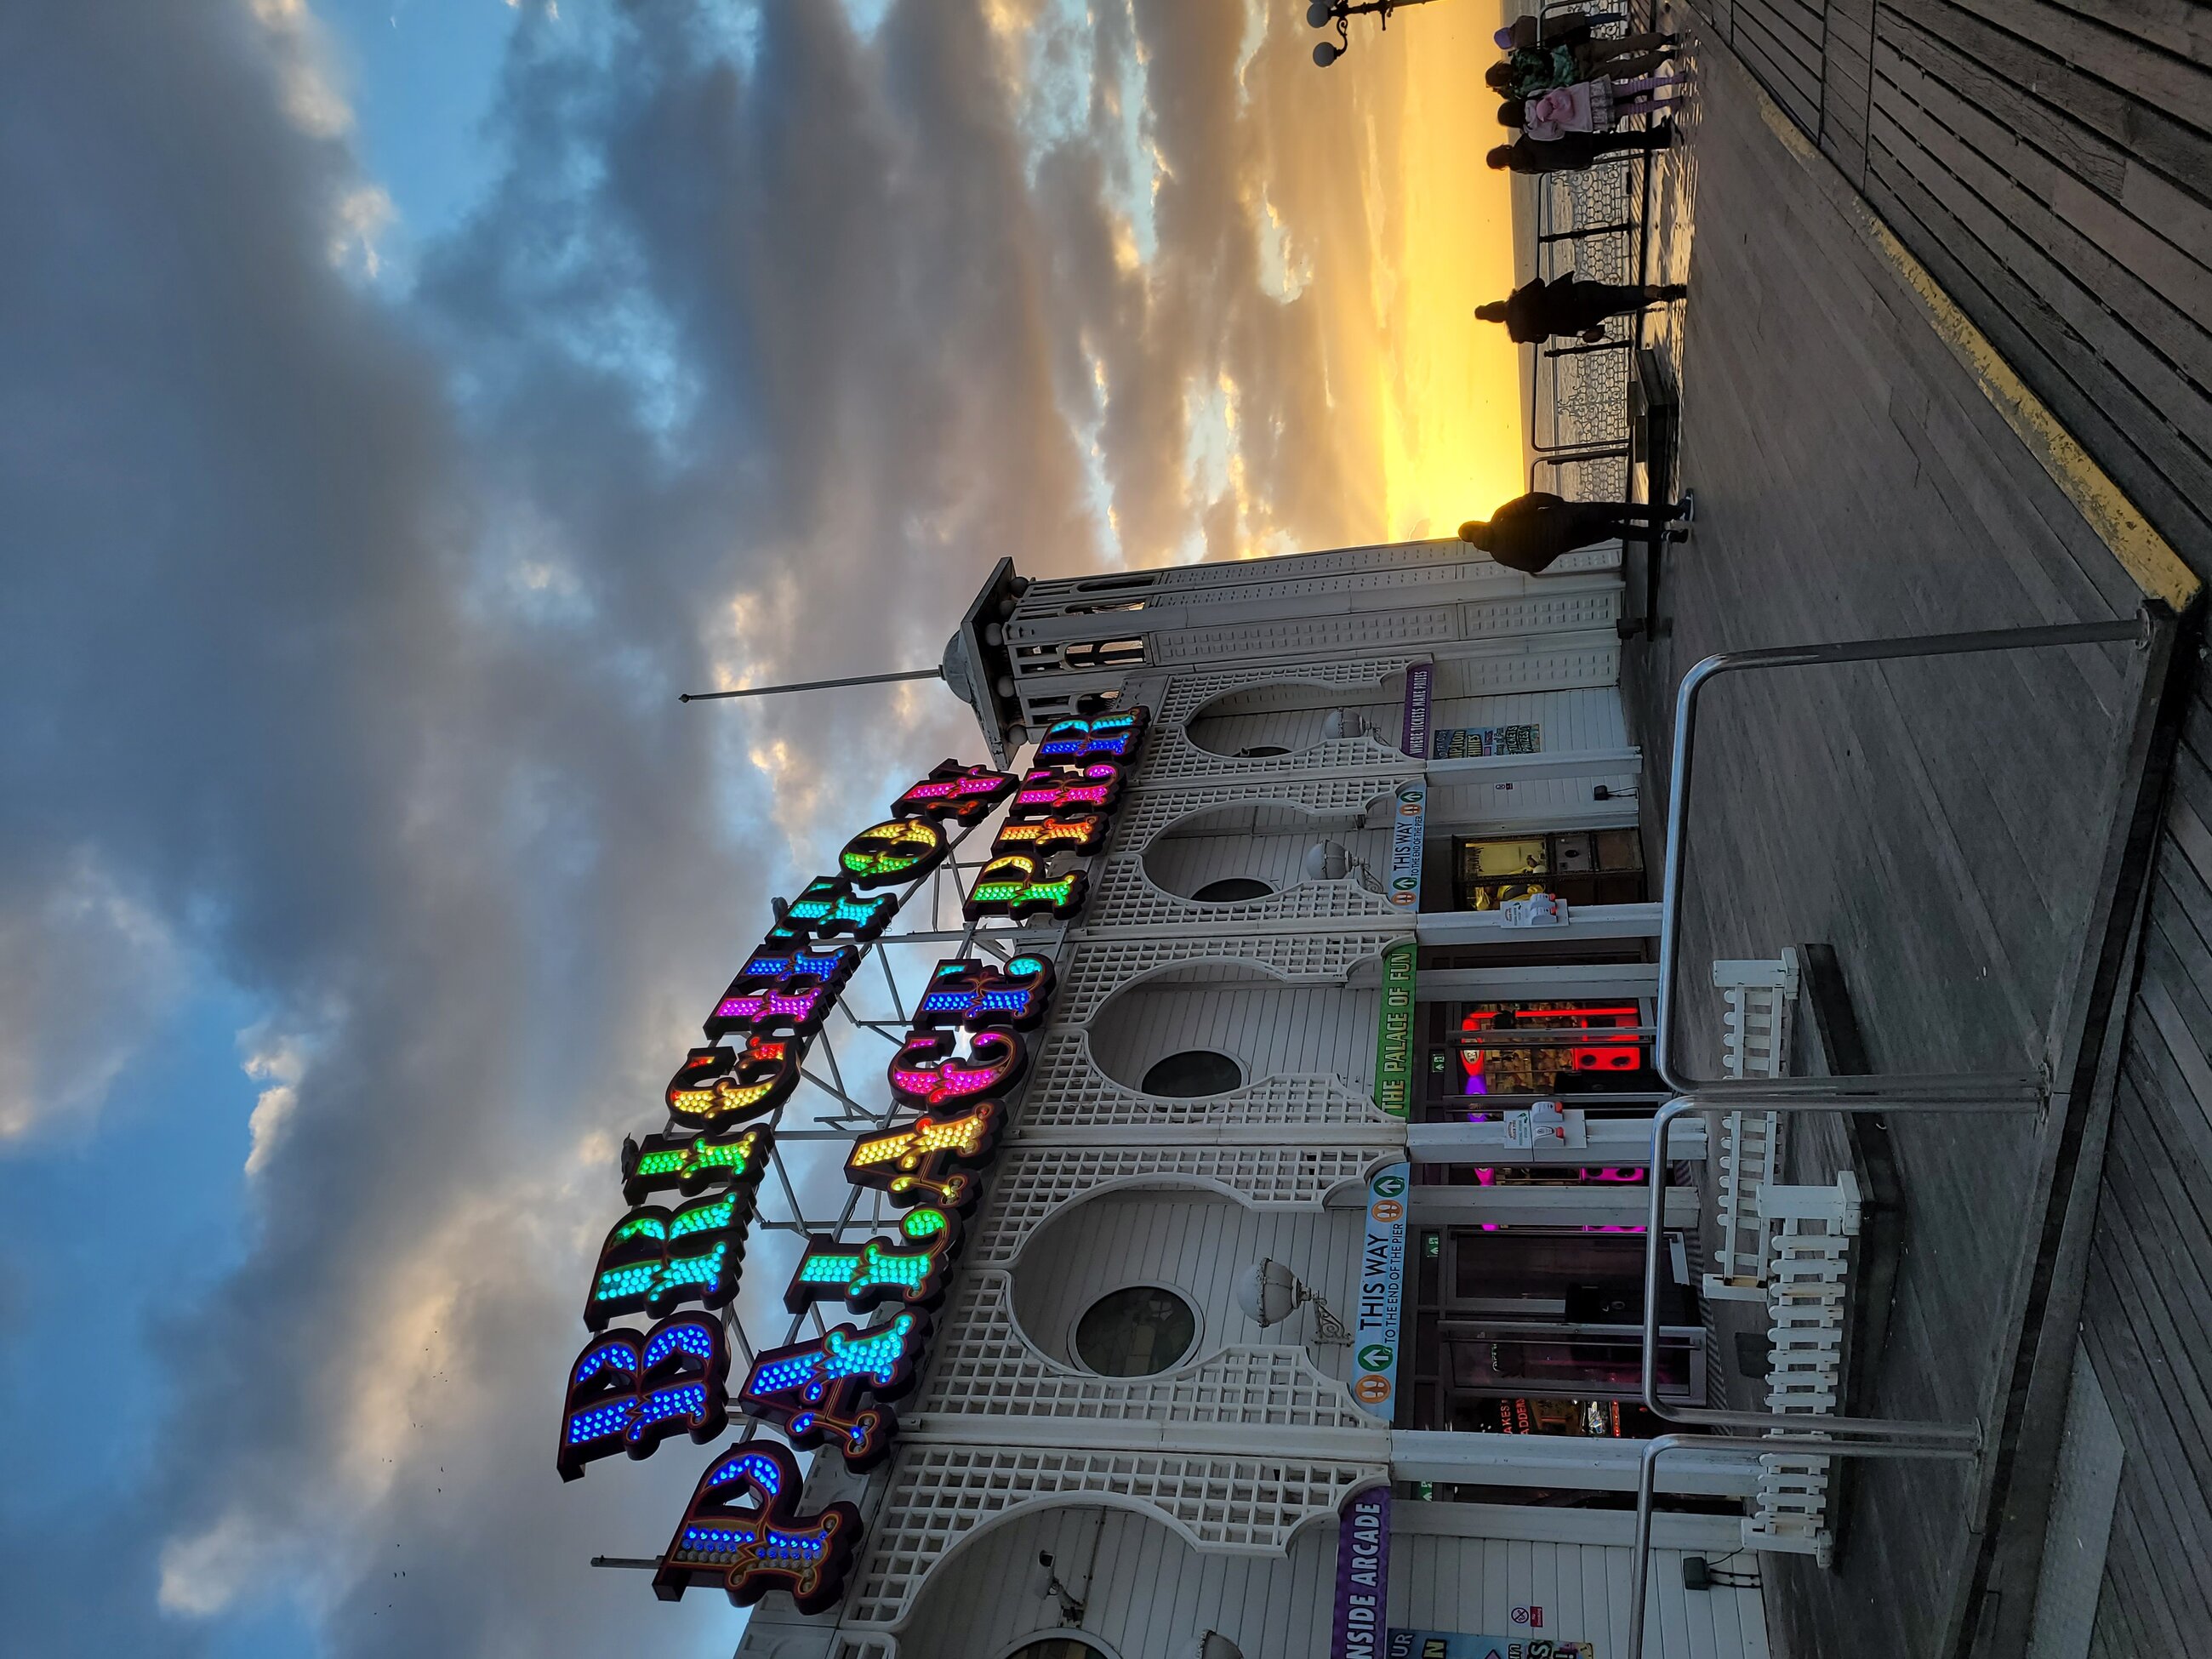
{"x":2156,"y":569}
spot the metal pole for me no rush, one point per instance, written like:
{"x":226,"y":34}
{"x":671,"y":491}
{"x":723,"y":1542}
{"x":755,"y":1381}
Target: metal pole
{"x":1586,"y":230}
{"x":2135,"y":628}
{"x":814,"y":685}
{"x":1646,"y":1477}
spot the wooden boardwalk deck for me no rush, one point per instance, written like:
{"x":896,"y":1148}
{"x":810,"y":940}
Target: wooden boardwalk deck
{"x":1940,"y":824}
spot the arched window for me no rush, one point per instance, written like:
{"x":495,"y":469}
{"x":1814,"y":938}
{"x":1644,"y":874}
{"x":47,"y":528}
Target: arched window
{"x":1055,"y":1647}
{"x":1136,"y":1332}
{"x":1193,"y":1072}
{"x":1231,"y":889}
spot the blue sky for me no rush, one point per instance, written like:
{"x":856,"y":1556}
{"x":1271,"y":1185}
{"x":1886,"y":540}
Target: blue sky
{"x":399,"y":403}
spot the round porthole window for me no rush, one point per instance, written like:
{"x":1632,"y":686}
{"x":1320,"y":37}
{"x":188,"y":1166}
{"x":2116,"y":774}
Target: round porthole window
{"x":1193,"y":1072}
{"x":1056,"y":1647}
{"x":1230,"y":889}
{"x":1136,"y":1332}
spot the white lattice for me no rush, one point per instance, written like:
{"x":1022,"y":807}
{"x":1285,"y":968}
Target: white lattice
{"x":1068,"y":1091}
{"x":1175,"y":755}
{"x":982,"y":1364}
{"x":1146,"y":812}
{"x":1546,"y":613}
{"x":1096,"y":969}
{"x":1190,"y":693}
{"x":1806,"y":1303}
{"x":1758,"y":997}
{"x":1031,"y":1184}
{"x":1121,"y":895}
{"x":1310,"y":636}
{"x":937,"y":1495}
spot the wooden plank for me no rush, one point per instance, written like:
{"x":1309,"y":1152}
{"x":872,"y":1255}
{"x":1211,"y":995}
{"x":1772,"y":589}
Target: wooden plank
{"x":2168,"y":418}
{"x":2083,"y":151}
{"x":1987,"y":296}
{"x":2046,"y":168}
{"x":2158,"y":78}
{"x":2177,"y":25}
{"x":2130,"y":1372}
{"x":2164,"y":1091}
{"x":2171,"y":273}
{"x":2184,"y":219}
{"x":2180,"y":150}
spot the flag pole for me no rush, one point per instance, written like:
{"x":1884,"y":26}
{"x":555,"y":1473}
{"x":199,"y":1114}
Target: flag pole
{"x":814,"y":685}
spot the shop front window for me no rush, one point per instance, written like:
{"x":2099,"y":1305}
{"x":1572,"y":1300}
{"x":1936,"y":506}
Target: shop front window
{"x":1583,"y":867}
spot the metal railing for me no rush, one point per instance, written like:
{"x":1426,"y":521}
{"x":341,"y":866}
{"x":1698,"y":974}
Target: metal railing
{"x":1600,"y":215}
{"x":1940,"y":1093}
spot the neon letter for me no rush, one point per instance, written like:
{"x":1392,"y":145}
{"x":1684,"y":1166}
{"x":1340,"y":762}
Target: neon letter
{"x":751,"y":1549}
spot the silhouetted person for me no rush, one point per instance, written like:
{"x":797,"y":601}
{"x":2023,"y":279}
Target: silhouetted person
{"x":1568,"y":28}
{"x":1529,"y":531}
{"x":1567,"y":305}
{"x":1577,"y":150}
{"x":1528,"y":70}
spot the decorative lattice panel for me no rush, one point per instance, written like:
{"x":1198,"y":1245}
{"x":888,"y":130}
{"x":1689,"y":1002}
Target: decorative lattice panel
{"x":1192,"y":692}
{"x":1301,"y":636}
{"x":1350,"y":569}
{"x":1095,"y":969}
{"x":1122,"y":897}
{"x":1175,"y":755}
{"x":982,"y":1364}
{"x":1548,"y":612}
{"x":1145,"y":813}
{"x":939,"y":1494}
{"x":1032,"y":1183}
{"x":1068,"y":1091}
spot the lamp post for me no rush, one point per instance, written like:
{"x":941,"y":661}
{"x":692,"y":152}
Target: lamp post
{"x":1322,"y":13}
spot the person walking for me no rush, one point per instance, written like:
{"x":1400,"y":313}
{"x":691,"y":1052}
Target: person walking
{"x":1578,"y":152}
{"x":1532,"y":531}
{"x":1595,"y":106}
{"x":1569,"y":305}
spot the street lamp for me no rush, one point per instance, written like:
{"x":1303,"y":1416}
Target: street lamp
{"x":1322,"y":13}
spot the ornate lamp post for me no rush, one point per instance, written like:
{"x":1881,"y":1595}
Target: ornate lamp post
{"x":1322,"y":13}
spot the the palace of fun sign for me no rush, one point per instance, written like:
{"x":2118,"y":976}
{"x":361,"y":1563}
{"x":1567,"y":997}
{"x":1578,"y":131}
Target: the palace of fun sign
{"x":676,"y":1256}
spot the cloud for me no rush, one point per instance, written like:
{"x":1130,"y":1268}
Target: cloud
{"x":359,"y":622}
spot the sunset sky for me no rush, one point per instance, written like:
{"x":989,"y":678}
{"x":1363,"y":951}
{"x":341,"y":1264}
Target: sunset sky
{"x":401,"y":402}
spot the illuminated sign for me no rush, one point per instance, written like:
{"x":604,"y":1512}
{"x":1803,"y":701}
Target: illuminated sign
{"x":1049,"y":791}
{"x":827,"y":907}
{"x":928,"y":1074}
{"x":656,"y":1259}
{"x":909,"y":1269}
{"x":768,"y":1543}
{"x":786,"y":991}
{"x":979,"y":994}
{"x":967,"y":793}
{"x":717,"y":1087}
{"x":916,"y":1164}
{"x":814,"y":1389}
{"x":1075,"y":832}
{"x":897,"y":850}
{"x":1017,"y":886}
{"x":1111,"y":737}
{"x":691,"y":1164}
{"x":630,"y":1390}
{"x":966,"y":1048}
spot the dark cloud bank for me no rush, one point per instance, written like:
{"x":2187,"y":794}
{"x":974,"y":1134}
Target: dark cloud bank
{"x":342,"y":642}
